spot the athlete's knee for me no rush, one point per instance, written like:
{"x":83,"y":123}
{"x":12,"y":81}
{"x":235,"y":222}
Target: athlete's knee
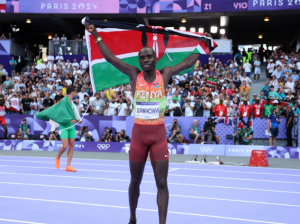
{"x":162,"y":184}
{"x":135,"y":182}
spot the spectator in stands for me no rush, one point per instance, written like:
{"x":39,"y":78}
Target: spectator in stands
{"x":75,"y":63}
{"x":84,"y":134}
{"x":233,"y":66}
{"x":56,"y":42}
{"x":220,"y":110}
{"x":98,"y":105}
{"x":14,"y":102}
{"x":245,"y":109}
{"x":247,"y":68}
{"x":175,"y":137}
{"x":47,"y":102}
{"x":82,"y":94}
{"x":121,"y":108}
{"x":50,"y":58}
{"x":268,"y":108}
{"x":246,"y":79}
{"x":24,"y":128}
{"x":223,"y":36}
{"x":7,"y":83}
{"x":198,"y":108}
{"x":289,"y":85}
{"x":277,"y":72}
{"x":195,"y":132}
{"x":84,"y":106}
{"x":34,"y":106}
{"x":3,"y":37}
{"x":256,"y":65}
{"x":189,"y":108}
{"x":63,"y":43}
{"x":13,"y":66}
{"x":25,"y":104}
{"x":174,"y":108}
{"x":270,"y":68}
{"x":84,"y":63}
{"x":58,"y":97}
{"x":59,"y":57}
{"x":257,"y":108}
{"x":272,"y":94}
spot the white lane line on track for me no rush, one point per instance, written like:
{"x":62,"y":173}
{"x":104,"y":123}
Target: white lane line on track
{"x":19,"y":221}
{"x":141,"y":209}
{"x":225,"y":171}
{"x":170,"y":170}
{"x":150,"y":182}
{"x":150,"y":193}
{"x":177,"y":175}
{"x":74,"y":159}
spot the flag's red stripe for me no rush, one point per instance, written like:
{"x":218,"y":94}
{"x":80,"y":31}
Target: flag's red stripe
{"x":2,"y":6}
{"x":122,"y":42}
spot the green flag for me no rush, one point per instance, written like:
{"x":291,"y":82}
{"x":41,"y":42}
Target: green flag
{"x":61,"y":113}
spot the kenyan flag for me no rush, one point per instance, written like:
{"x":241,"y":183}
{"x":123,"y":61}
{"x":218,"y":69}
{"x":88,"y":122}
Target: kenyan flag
{"x":125,"y":40}
{"x":211,"y":82}
{"x":242,"y":124}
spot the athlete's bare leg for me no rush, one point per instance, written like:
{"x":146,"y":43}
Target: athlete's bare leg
{"x":161,"y":168}
{"x":65,"y":144}
{"x":5,"y":130}
{"x":137,"y":171}
{"x":70,"y":151}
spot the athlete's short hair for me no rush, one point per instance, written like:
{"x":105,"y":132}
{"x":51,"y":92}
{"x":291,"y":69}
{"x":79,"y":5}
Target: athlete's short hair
{"x":70,"y":90}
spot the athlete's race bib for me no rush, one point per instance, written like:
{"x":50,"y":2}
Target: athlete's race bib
{"x":147,"y":110}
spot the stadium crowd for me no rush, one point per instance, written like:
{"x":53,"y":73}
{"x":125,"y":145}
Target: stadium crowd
{"x":211,"y":89}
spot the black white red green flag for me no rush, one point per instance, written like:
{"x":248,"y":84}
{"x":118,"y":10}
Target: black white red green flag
{"x":125,"y":40}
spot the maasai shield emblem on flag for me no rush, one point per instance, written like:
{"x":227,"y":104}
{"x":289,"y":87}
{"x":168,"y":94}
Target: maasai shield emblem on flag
{"x":125,"y":40}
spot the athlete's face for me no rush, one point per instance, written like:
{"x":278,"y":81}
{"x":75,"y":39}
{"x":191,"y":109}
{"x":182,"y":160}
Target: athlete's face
{"x":147,"y":59}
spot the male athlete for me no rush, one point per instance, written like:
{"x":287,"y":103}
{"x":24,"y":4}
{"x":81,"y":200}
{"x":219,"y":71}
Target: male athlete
{"x":67,"y":136}
{"x":2,"y":113}
{"x":149,"y":132}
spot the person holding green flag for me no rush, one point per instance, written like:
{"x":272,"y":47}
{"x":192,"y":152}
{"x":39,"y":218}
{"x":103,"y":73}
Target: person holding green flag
{"x":63,"y":114}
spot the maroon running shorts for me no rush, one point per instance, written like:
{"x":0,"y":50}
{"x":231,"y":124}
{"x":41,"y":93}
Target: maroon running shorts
{"x":147,"y":138}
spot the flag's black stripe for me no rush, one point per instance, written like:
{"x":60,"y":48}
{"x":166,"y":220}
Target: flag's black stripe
{"x":143,"y":28}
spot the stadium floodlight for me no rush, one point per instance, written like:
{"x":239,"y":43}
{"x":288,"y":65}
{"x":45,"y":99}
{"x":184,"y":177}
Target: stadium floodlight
{"x":213,"y":29}
{"x":193,"y":29}
{"x":222,"y":31}
{"x":201,"y":30}
{"x":182,"y":28}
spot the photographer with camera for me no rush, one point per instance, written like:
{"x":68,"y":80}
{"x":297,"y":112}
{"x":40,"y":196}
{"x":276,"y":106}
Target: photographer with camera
{"x":85,"y":134}
{"x":209,"y":131}
{"x":107,"y":135}
{"x":244,"y":136}
{"x":176,"y":137}
{"x":122,"y":137}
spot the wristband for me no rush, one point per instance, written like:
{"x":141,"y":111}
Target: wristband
{"x":98,"y":39}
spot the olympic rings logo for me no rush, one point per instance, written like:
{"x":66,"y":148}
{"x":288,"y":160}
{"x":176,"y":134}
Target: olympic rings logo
{"x":206,"y":149}
{"x":103,"y":146}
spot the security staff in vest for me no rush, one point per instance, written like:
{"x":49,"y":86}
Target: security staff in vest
{"x":289,"y":125}
{"x":24,"y":128}
{"x":122,"y":137}
{"x":85,"y":134}
{"x":272,"y":126}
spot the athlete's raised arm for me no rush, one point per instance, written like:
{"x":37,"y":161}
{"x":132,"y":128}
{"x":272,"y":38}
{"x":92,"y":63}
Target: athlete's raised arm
{"x":186,"y":63}
{"x":109,"y":55}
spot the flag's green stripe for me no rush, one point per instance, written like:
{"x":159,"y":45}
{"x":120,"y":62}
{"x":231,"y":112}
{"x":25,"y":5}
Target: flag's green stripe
{"x":106,"y":76}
